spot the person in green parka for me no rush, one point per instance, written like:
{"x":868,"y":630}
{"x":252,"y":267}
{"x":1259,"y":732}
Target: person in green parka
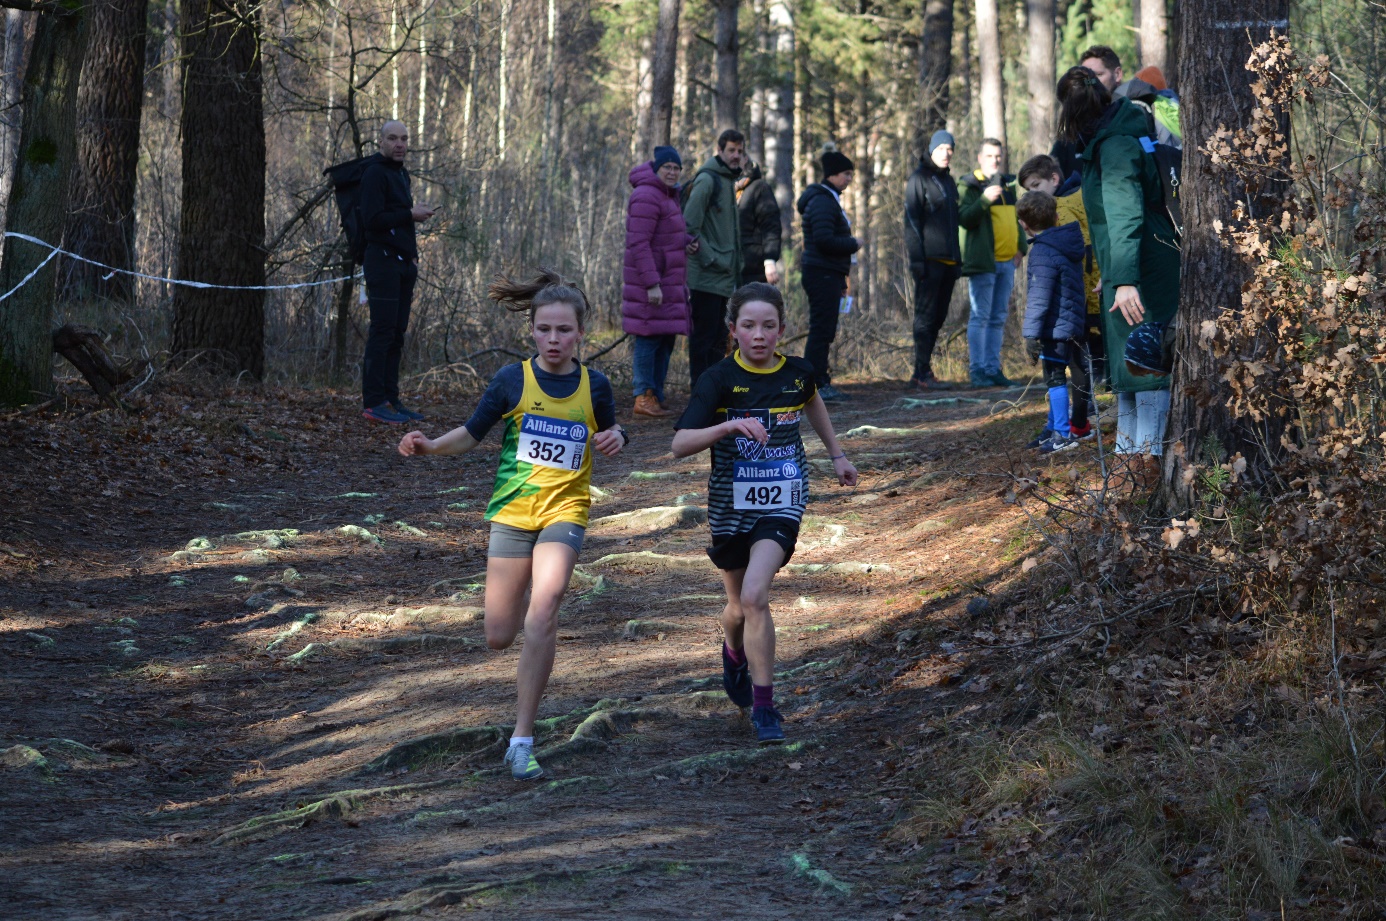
{"x":1135,"y":243}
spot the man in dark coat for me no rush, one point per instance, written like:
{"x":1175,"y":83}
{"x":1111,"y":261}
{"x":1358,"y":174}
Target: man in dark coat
{"x":828,"y":256}
{"x":931,"y":235}
{"x":391,"y":268}
{"x":760,"y":226}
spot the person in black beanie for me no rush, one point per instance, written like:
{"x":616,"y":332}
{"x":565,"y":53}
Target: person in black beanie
{"x":828,"y":256}
{"x":931,"y":235}
{"x":390,"y":269}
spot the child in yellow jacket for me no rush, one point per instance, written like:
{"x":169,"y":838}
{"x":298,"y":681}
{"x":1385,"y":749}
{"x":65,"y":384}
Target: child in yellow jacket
{"x":1041,"y":173}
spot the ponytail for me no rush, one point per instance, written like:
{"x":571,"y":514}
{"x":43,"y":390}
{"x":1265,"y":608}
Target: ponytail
{"x":547,"y":287}
{"x":1082,"y":100}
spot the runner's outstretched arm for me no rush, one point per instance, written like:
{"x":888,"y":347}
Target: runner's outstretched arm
{"x":458,"y":441}
{"x":817,"y":414}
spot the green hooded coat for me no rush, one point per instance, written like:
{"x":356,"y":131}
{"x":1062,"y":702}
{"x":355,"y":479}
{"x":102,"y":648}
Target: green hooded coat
{"x":1132,"y":236}
{"x":711,"y":215}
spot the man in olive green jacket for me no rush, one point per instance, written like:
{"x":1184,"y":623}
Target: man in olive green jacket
{"x":714,"y":271}
{"x":992,"y":244}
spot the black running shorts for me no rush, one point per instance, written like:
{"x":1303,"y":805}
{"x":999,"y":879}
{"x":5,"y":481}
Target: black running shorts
{"x":733,"y":551}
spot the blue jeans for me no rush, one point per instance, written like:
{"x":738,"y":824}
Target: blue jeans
{"x":990,"y":295}
{"x":650,"y":363}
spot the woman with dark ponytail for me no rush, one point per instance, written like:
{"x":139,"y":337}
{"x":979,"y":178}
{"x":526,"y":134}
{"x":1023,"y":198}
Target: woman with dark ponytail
{"x":554,"y":411}
{"x":1136,"y":245}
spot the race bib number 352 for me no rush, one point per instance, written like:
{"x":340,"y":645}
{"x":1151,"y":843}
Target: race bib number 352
{"x":767,"y":485}
{"x":548,"y":442}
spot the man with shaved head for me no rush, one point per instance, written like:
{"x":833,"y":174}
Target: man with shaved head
{"x":391,"y":267}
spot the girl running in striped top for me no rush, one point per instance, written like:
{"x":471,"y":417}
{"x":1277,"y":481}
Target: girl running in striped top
{"x":553,"y":409}
{"x":747,"y":409}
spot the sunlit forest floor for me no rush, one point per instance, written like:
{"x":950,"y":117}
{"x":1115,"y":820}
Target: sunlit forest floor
{"x":245,"y":678}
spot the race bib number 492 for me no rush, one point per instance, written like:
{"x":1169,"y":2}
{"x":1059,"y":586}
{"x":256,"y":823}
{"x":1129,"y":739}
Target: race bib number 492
{"x":549,"y":442}
{"x":767,"y":485}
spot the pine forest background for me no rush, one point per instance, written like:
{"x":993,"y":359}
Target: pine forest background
{"x":527,"y":115}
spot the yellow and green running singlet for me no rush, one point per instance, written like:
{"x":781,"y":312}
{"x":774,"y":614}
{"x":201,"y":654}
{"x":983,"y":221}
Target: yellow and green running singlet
{"x":545,"y":463}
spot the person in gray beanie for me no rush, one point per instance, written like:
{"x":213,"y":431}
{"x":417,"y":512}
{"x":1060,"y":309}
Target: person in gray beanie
{"x":931,"y":236}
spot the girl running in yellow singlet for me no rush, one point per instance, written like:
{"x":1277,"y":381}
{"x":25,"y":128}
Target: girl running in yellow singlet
{"x":747,"y":409}
{"x":554,"y":410}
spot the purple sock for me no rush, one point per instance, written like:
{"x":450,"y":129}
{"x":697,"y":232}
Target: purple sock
{"x":738,"y":656}
{"x":762,"y":696}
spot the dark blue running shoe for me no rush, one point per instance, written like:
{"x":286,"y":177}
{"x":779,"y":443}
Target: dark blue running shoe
{"x":384,"y":413}
{"x":736,"y":679}
{"x":767,"y":722}
{"x":409,"y":414}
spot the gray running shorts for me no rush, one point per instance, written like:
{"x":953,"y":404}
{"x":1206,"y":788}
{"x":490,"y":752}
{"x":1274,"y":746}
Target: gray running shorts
{"x":511,"y":543}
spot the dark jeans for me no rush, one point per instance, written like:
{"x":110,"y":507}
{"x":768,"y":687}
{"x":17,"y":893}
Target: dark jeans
{"x":933,"y":292}
{"x":824,"y":288}
{"x":390,"y":289}
{"x":708,"y":343}
{"x":1070,"y":355}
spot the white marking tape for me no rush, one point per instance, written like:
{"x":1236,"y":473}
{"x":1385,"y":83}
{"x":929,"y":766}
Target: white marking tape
{"x":54,"y":251}
{"x":1253,"y":24}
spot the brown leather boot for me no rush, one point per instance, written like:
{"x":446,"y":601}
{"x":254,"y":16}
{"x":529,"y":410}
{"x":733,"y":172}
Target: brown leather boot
{"x":647,"y":405}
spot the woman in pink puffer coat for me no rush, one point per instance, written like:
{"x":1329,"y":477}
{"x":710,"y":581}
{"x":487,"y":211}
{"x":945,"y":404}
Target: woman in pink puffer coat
{"x":654,"y":297}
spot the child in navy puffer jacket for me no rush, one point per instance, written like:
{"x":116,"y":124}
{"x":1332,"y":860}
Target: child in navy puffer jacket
{"x":1056,"y":317}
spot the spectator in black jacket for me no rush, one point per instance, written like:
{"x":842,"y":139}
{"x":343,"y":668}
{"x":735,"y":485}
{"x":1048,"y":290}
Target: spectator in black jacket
{"x":828,"y":257}
{"x":760,"y":226}
{"x":931,"y":233}
{"x":391,"y":267}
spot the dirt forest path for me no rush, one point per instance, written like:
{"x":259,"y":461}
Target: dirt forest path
{"x":245,"y":674}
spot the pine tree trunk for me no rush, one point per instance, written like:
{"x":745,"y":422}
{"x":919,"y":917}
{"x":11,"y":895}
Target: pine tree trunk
{"x":935,"y":67}
{"x":1040,"y":72}
{"x":38,"y":201}
{"x":222,"y":230}
{"x":1216,"y":38}
{"x":666,"y":50}
{"x":728,"y":41}
{"x":1154,"y":35}
{"x":101,"y":220}
{"x":779,"y":129}
{"x":989,"y":54}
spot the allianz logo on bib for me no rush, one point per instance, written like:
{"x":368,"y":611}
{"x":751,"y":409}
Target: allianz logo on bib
{"x":785,"y":471}
{"x":553,"y":428}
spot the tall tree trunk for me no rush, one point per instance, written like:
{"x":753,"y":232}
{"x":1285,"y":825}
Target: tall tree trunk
{"x":101,"y":219}
{"x":1154,"y":35}
{"x":1215,"y":39}
{"x":759,"y":95}
{"x":779,"y":129}
{"x":862,"y":193}
{"x":394,"y":60}
{"x":1039,"y":71}
{"x":503,"y":106}
{"x":38,"y":201}
{"x":222,"y":230}
{"x":989,"y":55}
{"x":935,"y":67}
{"x":662,"y":69}
{"x":684,"y":87}
{"x":10,"y":83}
{"x":640,"y":140}
{"x":728,"y":41}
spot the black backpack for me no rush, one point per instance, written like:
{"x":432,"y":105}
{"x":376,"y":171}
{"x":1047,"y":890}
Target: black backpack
{"x":1169,"y":163}
{"x":346,"y":184}
{"x":686,"y":190}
